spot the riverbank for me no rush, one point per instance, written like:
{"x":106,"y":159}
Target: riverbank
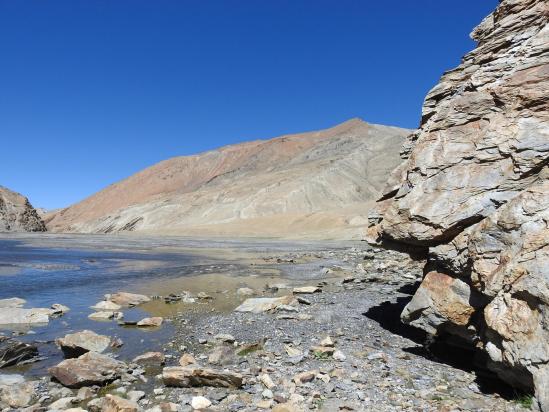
{"x":332,"y":341}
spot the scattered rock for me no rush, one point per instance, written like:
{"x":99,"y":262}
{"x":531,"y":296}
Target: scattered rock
{"x":245,"y":292}
{"x":306,"y":290}
{"x":102,"y":315}
{"x":187,"y":359}
{"x":200,"y":402}
{"x":59,"y":309}
{"x":150,"y":359}
{"x":112,"y":403}
{"x":89,"y":369}
{"x":20,"y":316}
{"x":127,"y":299}
{"x":267,"y":381}
{"x":153,"y":322}
{"x":224,"y":337}
{"x":185,"y":377}
{"x":258,"y":305}
{"x":18,"y":394}
{"x":75,"y":344}
{"x":203,"y":296}
{"x":12,"y":303}
{"x":107,"y":305}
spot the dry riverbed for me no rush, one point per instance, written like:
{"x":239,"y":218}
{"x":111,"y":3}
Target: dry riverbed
{"x":284,"y":330}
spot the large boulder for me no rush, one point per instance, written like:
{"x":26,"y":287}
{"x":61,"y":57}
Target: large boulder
{"x":473,"y":195}
{"x":89,"y":369}
{"x":75,"y":344}
{"x":17,"y":214}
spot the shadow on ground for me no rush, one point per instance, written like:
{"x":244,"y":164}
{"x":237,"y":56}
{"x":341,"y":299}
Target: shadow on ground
{"x":387,"y":315}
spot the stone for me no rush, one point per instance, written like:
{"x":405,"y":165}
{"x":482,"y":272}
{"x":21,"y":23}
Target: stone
{"x":224,"y":337}
{"x":190,"y":376}
{"x":89,"y":369}
{"x":264,"y":404}
{"x":203,"y":296}
{"x":245,"y":292}
{"x":307,"y":290}
{"x":126,"y":299}
{"x":21,"y":316}
{"x":75,"y":344}
{"x":106,"y":305}
{"x":472,"y":195}
{"x":339,"y":356}
{"x":150,"y":359}
{"x":291,"y":351}
{"x":63,"y":403}
{"x":59,"y":309}
{"x":85,"y":393}
{"x":267,"y":381}
{"x":136,"y":396}
{"x":304,"y":377}
{"x":102,"y":315}
{"x":327,"y":341}
{"x":200,"y":402}
{"x":187,"y":359}
{"x":153,"y":322}
{"x":258,"y":305}
{"x":113,"y":403}
{"x":13,"y":352}
{"x":18,"y":394}
{"x":12,"y":303}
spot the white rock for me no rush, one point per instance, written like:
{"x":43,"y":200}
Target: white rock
{"x":200,"y":402}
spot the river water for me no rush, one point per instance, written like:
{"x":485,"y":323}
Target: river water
{"x":77,"y":271}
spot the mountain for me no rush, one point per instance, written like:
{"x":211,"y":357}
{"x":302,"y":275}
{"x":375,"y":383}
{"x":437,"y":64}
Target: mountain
{"x":315,"y":184}
{"x":473,"y":193}
{"x":17,"y":214}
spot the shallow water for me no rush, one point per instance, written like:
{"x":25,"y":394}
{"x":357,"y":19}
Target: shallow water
{"x":77,"y":271}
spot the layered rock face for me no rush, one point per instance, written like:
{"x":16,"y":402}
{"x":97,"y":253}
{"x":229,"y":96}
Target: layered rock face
{"x":473,"y":192}
{"x":312,"y":183}
{"x":17,"y":214}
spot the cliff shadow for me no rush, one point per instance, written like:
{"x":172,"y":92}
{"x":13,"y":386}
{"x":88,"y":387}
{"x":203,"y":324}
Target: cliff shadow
{"x":443,"y":349}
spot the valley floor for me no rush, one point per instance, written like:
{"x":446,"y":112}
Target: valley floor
{"x":341,"y":347}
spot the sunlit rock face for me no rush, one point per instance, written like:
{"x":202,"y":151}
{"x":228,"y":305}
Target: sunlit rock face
{"x":473,"y":193}
{"x":17,"y":214}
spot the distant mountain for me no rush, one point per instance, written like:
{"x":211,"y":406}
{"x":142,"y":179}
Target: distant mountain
{"x":317,"y":184}
{"x":17,"y":214}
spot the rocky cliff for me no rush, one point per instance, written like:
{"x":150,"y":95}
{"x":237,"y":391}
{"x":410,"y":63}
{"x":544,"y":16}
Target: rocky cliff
{"x":310,"y":184}
{"x":17,"y":214}
{"x":473,"y":193}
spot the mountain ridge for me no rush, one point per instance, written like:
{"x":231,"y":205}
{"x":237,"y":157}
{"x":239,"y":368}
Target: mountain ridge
{"x":188,"y":183}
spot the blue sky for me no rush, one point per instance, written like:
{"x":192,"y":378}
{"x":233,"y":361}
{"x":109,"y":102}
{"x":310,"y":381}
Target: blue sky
{"x":93,"y":91}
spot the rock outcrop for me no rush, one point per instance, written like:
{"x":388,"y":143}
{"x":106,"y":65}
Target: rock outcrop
{"x":311,"y":183}
{"x":17,"y":214}
{"x":473,"y":193}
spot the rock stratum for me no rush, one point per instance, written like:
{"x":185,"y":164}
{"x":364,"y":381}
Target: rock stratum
{"x":313,"y":184}
{"x":17,"y":214}
{"x":473,"y":193}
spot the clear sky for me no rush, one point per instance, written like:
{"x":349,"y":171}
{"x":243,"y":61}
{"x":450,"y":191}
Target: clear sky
{"x":93,"y":91}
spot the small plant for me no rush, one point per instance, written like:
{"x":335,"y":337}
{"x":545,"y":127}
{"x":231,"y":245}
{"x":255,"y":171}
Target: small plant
{"x":321,"y":355}
{"x":525,"y":400}
{"x":318,"y":403}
